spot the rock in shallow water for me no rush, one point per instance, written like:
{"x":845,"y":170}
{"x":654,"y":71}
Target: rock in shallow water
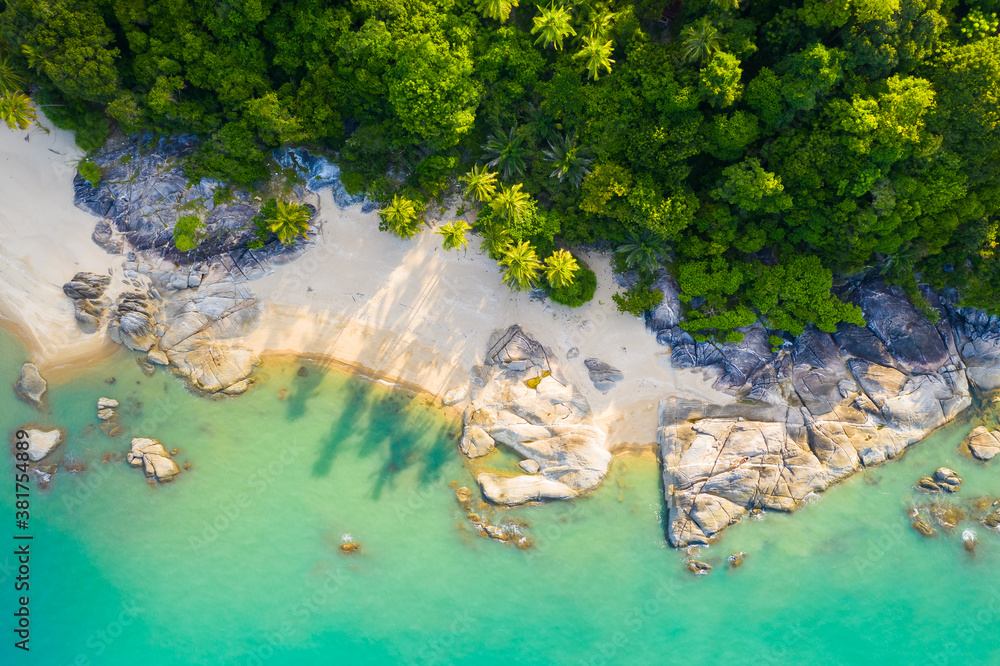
{"x":982,"y":444}
{"x":156,"y":463}
{"x":31,"y":386}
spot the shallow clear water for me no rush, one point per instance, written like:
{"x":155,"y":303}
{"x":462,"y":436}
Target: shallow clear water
{"x":237,"y":561}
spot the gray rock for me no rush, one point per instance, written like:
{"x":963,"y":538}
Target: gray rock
{"x":572,"y":353}
{"x":86,"y":286}
{"x":107,"y":403}
{"x":600,"y":371}
{"x":31,"y":386}
{"x":157,"y":357}
{"x":480,"y":375}
{"x":454,"y":396}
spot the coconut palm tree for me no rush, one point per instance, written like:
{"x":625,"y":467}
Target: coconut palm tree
{"x":9,"y":79}
{"x":496,"y":237}
{"x":596,"y":56}
{"x":505,"y":153}
{"x":642,"y":252}
{"x":511,"y":204}
{"x":522,"y":264}
{"x":571,"y":161}
{"x":400,"y":217}
{"x":480,"y":184}
{"x":497,"y":9}
{"x":700,"y":40}
{"x":37,"y":60}
{"x":453,"y":235}
{"x":553,"y":24}
{"x":561,"y":268}
{"x":16,"y":110}
{"x":289,"y":221}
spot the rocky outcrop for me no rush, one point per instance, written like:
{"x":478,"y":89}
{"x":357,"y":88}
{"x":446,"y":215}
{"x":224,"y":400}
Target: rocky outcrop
{"x":189,"y":320}
{"x":154,"y":460}
{"x":319,"y":173}
{"x":527,"y":407}
{"x":814,"y":412}
{"x":982,"y":444}
{"x":44,"y":448}
{"x":30,"y":387}
{"x":87,"y":291}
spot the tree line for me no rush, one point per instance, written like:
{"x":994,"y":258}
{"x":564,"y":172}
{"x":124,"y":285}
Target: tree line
{"x":759,"y":150}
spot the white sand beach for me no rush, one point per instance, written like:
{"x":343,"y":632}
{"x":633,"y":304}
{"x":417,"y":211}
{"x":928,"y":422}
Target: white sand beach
{"x":405,"y":310}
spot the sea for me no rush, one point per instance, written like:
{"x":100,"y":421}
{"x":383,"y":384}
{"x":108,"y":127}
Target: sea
{"x":239,"y":560}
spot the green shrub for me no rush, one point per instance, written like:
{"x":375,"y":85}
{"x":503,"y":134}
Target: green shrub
{"x":261,"y":228}
{"x":353,"y":181}
{"x":578,"y":293}
{"x":88,"y":123}
{"x":187,"y":232}
{"x":90,"y":172}
{"x":638,"y":299}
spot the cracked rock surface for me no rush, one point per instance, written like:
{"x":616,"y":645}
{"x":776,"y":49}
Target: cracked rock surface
{"x":526,"y":406}
{"x":818,"y":410}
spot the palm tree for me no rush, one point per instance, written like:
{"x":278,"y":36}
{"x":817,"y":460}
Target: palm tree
{"x":553,"y":24}
{"x":504,"y":153}
{"x":642,"y":252}
{"x":289,"y":221}
{"x":16,"y":110}
{"x":597,"y":56}
{"x":511,"y":204}
{"x":497,"y":9}
{"x":36,"y":60}
{"x":480,"y":184}
{"x":454,"y":235}
{"x":496,"y":237}
{"x":400,"y":217}
{"x":561,"y":268}
{"x":522,"y":265}
{"x":700,"y":40}
{"x":9,"y":80}
{"x":570,"y":160}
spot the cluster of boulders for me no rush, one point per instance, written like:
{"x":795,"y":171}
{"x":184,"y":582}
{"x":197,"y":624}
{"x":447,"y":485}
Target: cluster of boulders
{"x":87,"y":291}
{"x":31,"y":386}
{"x":155,"y":461}
{"x":521,"y":401}
{"x":510,"y":531}
{"x":107,"y":414}
{"x":944,"y":480}
{"x":948,"y":516}
{"x":817,"y":410}
{"x":189,"y":327}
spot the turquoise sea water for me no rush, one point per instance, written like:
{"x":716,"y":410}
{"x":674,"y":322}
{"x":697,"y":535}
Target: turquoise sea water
{"x":237,"y":561}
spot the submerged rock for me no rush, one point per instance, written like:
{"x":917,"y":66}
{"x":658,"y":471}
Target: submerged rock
{"x":41,"y":442}
{"x":31,"y":386}
{"x":698,"y":568}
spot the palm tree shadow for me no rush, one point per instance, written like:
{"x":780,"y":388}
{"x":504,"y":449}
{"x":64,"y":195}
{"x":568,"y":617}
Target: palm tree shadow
{"x":354,"y":410}
{"x":303,"y":388}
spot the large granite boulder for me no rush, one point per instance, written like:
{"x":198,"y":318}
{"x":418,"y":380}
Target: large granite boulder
{"x":527,"y":407}
{"x":31,"y":386}
{"x":154,"y":460}
{"x":983,"y":444}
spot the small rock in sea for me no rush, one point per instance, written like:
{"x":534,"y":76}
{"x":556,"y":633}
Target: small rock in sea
{"x":698,"y":568}
{"x":153,"y":458}
{"x":302,"y":372}
{"x":109,"y":380}
{"x":928,"y":484}
{"x":107,"y":403}
{"x":106,"y":414}
{"x":473,"y":517}
{"x":109,"y":457}
{"x":497,"y":533}
{"x":147,"y":368}
{"x":31,"y":386}
{"x":921,"y":526}
{"x":282,"y":394}
{"x":175,"y":452}
{"x":982,"y":444}
{"x":463,"y":495}
{"x":187,"y":465}
{"x":991,"y":520}
{"x":947,"y":516}
{"x":736,"y":559}
{"x":944,"y":473}
{"x":75,"y":466}
{"x":350,"y":547}
{"x":970,"y":541}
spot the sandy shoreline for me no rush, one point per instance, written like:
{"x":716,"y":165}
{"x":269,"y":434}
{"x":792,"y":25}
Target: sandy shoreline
{"x":406,"y":311}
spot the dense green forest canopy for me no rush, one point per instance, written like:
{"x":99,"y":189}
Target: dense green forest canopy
{"x":759,"y":148}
